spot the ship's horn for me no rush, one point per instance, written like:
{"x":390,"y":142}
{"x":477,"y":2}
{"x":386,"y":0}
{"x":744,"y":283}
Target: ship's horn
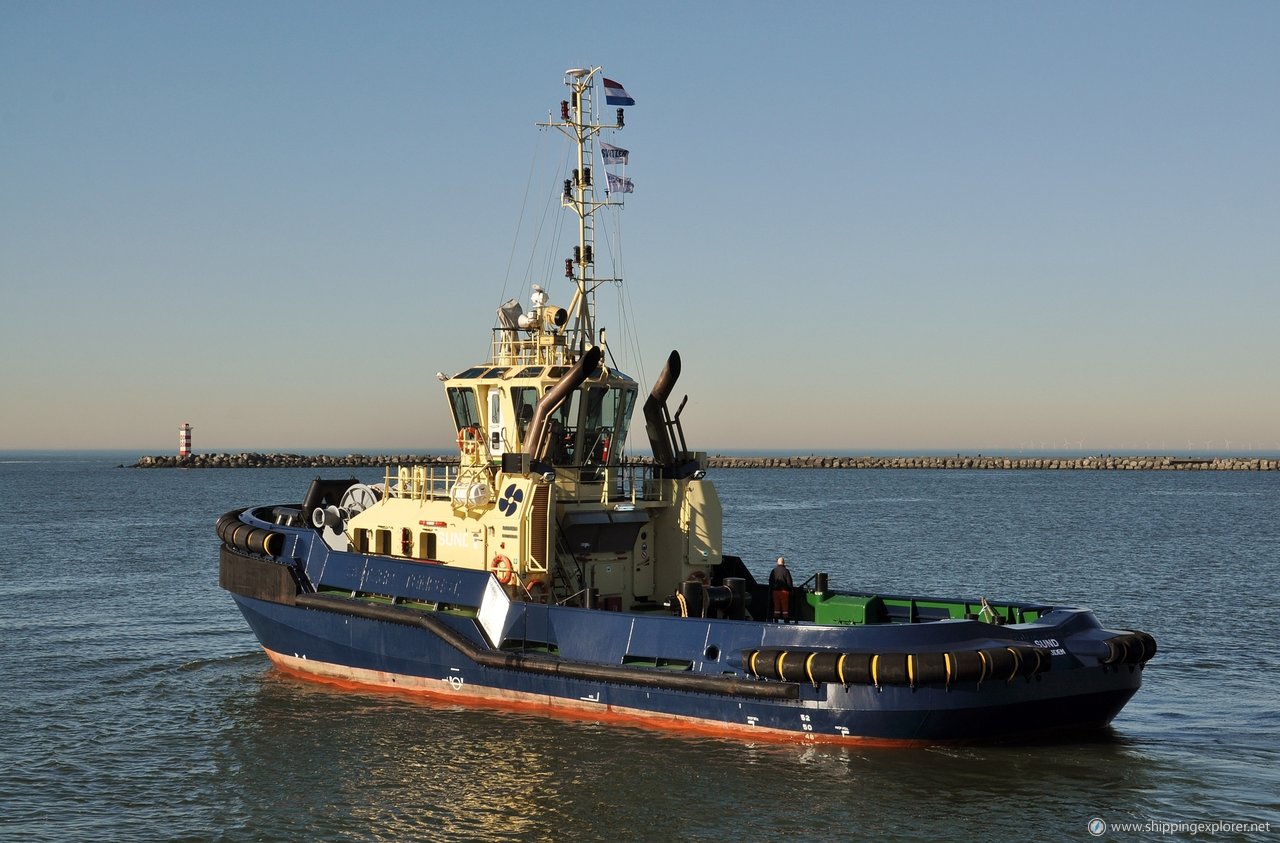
{"x":657,"y":422}
{"x":555,"y":396}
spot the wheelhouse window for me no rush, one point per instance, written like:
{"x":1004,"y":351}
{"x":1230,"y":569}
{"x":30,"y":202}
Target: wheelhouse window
{"x":606,"y":417}
{"x":523,"y":400}
{"x":562,"y":435}
{"x":466,"y":411}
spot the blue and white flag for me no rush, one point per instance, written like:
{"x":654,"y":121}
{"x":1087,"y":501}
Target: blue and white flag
{"x":613,"y":154}
{"x":620,"y":184}
{"x":615,"y":94}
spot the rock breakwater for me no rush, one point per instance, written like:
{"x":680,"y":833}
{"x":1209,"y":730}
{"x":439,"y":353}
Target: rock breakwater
{"x":1000,"y":463}
{"x":1093,"y":463}
{"x":255,"y":460}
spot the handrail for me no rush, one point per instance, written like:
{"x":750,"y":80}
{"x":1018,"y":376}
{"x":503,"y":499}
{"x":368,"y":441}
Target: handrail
{"x":509,"y":348}
{"x":420,"y":482}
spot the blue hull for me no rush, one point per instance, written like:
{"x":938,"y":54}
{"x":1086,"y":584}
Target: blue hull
{"x":645,"y":667}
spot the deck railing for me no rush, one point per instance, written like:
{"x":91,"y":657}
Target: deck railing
{"x":615,"y":484}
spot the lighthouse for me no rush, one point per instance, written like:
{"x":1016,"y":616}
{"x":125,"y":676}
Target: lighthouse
{"x":184,"y":440}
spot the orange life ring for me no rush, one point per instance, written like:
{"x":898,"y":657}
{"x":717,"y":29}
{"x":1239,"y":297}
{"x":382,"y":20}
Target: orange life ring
{"x":502,"y":569}
{"x":538,"y":591}
{"x":469,"y":439}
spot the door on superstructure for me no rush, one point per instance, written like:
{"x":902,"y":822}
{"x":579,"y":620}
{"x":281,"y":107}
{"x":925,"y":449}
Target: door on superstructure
{"x":495,"y":422}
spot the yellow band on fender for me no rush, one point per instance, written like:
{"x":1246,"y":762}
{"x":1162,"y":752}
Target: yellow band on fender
{"x":808,"y":668}
{"x":840,"y":669}
{"x":875,"y":665}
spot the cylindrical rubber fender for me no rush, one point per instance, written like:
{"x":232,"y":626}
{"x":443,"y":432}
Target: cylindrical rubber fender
{"x":762,"y":664}
{"x":1031,"y":660}
{"x":1148,"y":646}
{"x":239,"y":534}
{"x":889,"y":669}
{"x":822,"y":667}
{"x":1117,"y":650}
{"x":263,"y":542}
{"x":966,"y":666}
{"x":927,"y":669}
{"x":227,"y":523}
{"x":854,"y":669}
{"x":1130,"y":648}
{"x":1002,"y":662}
{"x":223,"y":523}
{"x":792,"y":665}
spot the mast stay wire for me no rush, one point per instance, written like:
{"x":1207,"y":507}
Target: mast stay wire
{"x":524,"y":203}
{"x":551,"y":203}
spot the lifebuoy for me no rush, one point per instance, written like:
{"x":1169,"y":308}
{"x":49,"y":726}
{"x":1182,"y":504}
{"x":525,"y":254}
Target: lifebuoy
{"x":538,"y":591}
{"x":502,"y":569}
{"x":469,"y":439}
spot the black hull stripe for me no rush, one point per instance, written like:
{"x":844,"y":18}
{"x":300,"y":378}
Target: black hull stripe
{"x":731,"y":686}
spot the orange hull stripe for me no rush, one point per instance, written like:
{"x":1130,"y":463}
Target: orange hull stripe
{"x":465,"y":693}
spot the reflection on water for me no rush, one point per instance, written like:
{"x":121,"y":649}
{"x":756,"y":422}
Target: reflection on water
{"x":327,"y":761}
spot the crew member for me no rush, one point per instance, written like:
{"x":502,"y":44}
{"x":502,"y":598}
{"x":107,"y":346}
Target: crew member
{"x":780,"y":582}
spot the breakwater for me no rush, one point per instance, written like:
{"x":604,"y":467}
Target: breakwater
{"x":1100,"y":462}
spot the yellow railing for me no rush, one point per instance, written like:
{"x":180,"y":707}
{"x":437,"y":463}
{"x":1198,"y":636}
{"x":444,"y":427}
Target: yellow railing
{"x":631,"y":482}
{"x":515,"y":348}
{"x":420,"y":482}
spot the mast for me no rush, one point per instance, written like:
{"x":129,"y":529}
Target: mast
{"x":578,"y":121}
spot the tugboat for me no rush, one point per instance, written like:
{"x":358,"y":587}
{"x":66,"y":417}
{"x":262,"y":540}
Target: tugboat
{"x":546,"y":571}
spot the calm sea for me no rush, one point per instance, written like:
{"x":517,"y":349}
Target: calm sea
{"x":137,"y":706}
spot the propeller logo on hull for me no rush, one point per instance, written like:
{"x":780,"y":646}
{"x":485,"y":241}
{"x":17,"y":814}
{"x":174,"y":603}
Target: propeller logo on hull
{"x":511,"y":498}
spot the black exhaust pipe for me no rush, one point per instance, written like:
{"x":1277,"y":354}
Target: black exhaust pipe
{"x":656,"y":418}
{"x":587,"y":363}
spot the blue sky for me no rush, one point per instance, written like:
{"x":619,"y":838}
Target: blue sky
{"x":971,"y":226}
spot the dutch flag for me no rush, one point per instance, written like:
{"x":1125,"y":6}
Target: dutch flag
{"x":615,"y":94}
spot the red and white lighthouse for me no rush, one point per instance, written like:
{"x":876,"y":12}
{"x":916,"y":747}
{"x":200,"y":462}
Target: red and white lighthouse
{"x":184,"y":440}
